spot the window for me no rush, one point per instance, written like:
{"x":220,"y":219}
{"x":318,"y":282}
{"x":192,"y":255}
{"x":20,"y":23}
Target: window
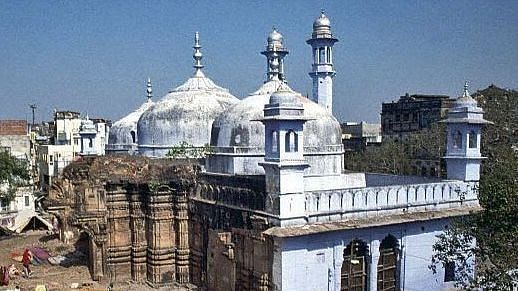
{"x":51,"y":159}
{"x":27,"y":202}
{"x":353,"y":275}
{"x":291,"y":142}
{"x":275,"y":141}
{"x":457,"y":139}
{"x":133,"y":137}
{"x":449,"y":272}
{"x":388,"y":264}
{"x":321,"y":55}
{"x":328,"y":55}
{"x":472,"y":140}
{"x":90,"y":142}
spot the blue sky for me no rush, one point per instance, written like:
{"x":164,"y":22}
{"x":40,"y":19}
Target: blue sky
{"x":95,"y":56}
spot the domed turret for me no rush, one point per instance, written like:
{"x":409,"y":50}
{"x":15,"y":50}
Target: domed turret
{"x":185,"y":115}
{"x":275,"y":53}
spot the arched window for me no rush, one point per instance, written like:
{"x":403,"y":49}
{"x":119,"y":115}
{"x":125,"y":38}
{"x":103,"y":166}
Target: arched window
{"x":388,"y":264}
{"x":321,"y":55}
{"x":472,"y":140}
{"x":354,"y":270}
{"x":457,"y":139}
{"x":291,"y":141}
{"x":328,"y":55}
{"x":133,"y":137}
{"x":275,"y":141}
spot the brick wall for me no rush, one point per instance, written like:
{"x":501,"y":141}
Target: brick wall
{"x":13,"y":127}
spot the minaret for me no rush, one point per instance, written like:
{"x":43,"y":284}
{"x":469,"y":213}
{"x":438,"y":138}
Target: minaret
{"x":275,"y":53}
{"x":463,"y":126}
{"x":322,"y":73}
{"x":197,"y":56}
{"x":149,"y":90}
{"x":284,"y":162}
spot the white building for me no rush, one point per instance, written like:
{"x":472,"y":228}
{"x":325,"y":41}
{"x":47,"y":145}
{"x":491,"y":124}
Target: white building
{"x":331,"y":230}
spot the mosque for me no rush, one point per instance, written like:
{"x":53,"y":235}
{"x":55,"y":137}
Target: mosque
{"x":271,"y":207}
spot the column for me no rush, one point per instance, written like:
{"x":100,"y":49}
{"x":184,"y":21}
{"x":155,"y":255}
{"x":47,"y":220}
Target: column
{"x":373,"y":268}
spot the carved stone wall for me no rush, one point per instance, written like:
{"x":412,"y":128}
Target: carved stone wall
{"x":152,"y":221}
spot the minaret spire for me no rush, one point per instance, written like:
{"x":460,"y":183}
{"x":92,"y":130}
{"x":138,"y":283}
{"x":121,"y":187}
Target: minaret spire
{"x":197,"y":56}
{"x":466,"y":92}
{"x":322,"y":72}
{"x":149,"y":90}
{"x":275,"y":53}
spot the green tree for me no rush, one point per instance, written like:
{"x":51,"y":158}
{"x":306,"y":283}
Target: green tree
{"x":13,"y":173}
{"x":490,"y":237}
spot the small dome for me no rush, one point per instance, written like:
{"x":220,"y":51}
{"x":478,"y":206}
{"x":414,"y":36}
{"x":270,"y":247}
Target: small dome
{"x":465,"y":100}
{"x":282,"y":97}
{"x":322,"y":27}
{"x":274,"y":36}
{"x":322,"y":20}
{"x":123,"y":132}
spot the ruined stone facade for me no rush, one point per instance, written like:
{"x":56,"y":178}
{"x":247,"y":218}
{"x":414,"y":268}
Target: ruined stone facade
{"x":159,"y":221}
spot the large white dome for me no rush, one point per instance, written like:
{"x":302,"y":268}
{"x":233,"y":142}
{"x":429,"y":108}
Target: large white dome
{"x":184,"y":115}
{"x":237,"y":133}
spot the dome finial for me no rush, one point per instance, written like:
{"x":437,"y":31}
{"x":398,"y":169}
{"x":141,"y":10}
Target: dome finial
{"x":197,"y":56}
{"x":149,"y":90}
{"x":466,"y":92}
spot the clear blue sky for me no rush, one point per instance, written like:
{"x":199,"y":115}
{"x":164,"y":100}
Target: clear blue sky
{"x":95,"y":56}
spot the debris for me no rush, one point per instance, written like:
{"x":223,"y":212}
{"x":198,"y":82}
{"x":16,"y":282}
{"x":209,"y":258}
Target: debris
{"x":74,"y":286}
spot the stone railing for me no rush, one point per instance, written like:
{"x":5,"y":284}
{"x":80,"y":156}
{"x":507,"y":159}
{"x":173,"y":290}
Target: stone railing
{"x":362,"y":202}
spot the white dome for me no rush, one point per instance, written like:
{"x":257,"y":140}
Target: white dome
{"x":184,"y":115}
{"x":238,"y":129}
{"x":123,"y":132}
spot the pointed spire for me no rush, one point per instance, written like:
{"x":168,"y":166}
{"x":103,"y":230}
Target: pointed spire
{"x":466,"y":92}
{"x":197,"y":56}
{"x":149,"y":90}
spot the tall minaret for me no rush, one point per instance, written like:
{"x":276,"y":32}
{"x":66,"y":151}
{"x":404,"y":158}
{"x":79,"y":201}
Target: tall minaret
{"x":275,"y":53}
{"x":322,"y":73}
{"x":463,"y":126}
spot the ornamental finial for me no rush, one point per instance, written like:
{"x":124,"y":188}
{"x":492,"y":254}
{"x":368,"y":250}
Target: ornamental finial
{"x":197,"y":56}
{"x":466,"y":92}
{"x":149,"y":90}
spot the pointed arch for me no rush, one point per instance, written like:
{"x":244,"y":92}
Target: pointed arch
{"x":388,"y":264}
{"x":291,"y":141}
{"x":472,"y":140}
{"x":353,"y":275}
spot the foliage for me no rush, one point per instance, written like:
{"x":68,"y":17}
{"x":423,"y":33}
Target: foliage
{"x":13,"y":173}
{"x":495,"y":228}
{"x":186,"y":150}
{"x":396,"y":157}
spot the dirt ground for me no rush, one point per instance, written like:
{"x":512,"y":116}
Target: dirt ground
{"x":54,"y":277}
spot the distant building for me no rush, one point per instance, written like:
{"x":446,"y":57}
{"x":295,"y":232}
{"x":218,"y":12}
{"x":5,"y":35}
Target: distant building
{"x":71,"y":136}
{"x":14,"y":138}
{"x":51,"y":161}
{"x":412,"y":113}
{"x":356,"y":136}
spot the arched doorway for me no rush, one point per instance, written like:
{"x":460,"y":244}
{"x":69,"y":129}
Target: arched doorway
{"x":355,"y":266}
{"x":388,"y":264}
